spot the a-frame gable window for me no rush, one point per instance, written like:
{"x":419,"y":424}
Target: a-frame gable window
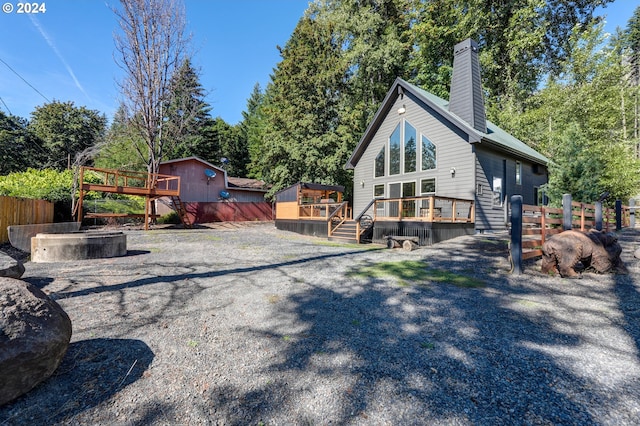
{"x":410,"y":148}
{"x":380,"y":160}
{"x":428,"y":154}
{"x":394,"y":152}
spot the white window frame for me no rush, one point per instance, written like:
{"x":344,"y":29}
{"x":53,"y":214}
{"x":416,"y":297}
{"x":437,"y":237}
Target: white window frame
{"x":435,"y":185}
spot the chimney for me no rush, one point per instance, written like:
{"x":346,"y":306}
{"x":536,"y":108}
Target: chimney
{"x":466,"y":100}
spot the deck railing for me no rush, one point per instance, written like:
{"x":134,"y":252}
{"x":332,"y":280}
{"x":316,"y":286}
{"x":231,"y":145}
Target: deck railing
{"x":427,"y":209}
{"x":318,"y":211}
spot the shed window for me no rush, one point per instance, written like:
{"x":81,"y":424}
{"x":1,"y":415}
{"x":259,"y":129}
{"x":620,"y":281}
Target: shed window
{"x":394,"y":152}
{"x":410,"y":148}
{"x":518,"y":173}
{"x":379,"y":169}
{"x":428,"y":154}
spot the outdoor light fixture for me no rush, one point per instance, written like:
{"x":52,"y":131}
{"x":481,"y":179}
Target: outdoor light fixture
{"x":362,"y":183}
{"x":452,"y":171}
{"x":402,"y":110}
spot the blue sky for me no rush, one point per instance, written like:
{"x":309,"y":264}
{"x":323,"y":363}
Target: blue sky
{"x":67,"y":53}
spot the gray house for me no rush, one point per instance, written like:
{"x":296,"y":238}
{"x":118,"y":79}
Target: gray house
{"x":439,"y":168}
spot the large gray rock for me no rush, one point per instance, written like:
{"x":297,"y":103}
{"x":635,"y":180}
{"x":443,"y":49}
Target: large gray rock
{"x":34,"y":336}
{"x":10,"y":267}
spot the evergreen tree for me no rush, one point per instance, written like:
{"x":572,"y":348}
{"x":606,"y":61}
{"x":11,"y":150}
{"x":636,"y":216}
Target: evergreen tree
{"x":576,"y":120}
{"x":251,"y":128}
{"x":302,"y":128}
{"x":187,"y":112}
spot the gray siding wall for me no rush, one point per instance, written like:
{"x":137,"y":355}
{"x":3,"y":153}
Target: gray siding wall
{"x":490,"y":164}
{"x":452,"y":151}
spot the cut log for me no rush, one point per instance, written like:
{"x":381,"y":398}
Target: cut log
{"x":409,"y":245}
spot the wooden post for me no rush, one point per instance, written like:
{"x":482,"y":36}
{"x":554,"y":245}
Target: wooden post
{"x":618,"y":215}
{"x":146,"y":213}
{"x":582,"y":212}
{"x":432,"y":206}
{"x":598,"y":215}
{"x":516,"y":233}
{"x":543,"y":225}
{"x":567,"y":216}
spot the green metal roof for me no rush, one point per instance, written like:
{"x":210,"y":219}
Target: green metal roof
{"x":494,"y":134}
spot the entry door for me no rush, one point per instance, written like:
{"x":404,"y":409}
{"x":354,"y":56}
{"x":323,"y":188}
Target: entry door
{"x":394,"y":206}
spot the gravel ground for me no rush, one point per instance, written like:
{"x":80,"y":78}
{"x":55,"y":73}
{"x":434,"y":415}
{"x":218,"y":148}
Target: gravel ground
{"x":248,"y":325}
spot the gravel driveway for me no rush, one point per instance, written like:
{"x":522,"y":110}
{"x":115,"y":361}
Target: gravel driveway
{"x":250,"y":325}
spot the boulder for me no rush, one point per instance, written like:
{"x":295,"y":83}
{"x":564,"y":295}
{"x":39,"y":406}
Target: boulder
{"x":34,"y":336}
{"x":636,"y":253}
{"x":10,"y":267}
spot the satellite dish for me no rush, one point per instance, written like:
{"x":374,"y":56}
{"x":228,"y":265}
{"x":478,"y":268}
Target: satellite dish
{"x":209,"y":173}
{"x":224,"y":195}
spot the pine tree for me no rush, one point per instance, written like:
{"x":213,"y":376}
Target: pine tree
{"x":187,"y":113}
{"x":302,"y":139}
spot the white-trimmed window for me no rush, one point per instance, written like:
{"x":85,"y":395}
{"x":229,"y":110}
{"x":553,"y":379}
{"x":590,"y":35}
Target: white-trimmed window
{"x":378,"y":190}
{"x":394,"y":152}
{"x":428,"y":154}
{"x":497,"y":192}
{"x":427,"y":186}
{"x":379,"y":165}
{"x":518,"y":173}
{"x":410,"y":148}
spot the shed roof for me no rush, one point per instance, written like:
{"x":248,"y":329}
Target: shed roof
{"x":495,"y":136}
{"x":235,"y":183}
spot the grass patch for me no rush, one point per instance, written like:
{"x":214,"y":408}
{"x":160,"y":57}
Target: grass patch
{"x":414,"y":271}
{"x":346,"y":245}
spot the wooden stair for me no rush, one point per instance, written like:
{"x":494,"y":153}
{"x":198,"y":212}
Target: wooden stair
{"x":178,"y":206}
{"x":345,"y":233}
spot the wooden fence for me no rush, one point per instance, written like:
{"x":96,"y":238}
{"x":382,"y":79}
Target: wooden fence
{"x":540,"y":222}
{"x":22,"y":211}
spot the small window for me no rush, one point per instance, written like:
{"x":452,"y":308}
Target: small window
{"x":428,"y":154}
{"x":518,"y":173}
{"x":410,"y":149}
{"x":394,"y":152}
{"x":428,"y":186}
{"x":379,"y":169}
{"x":378,"y":191}
{"x":409,"y":189}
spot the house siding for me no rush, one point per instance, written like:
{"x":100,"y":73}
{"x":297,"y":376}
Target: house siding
{"x":490,"y":164}
{"x":452,"y":151}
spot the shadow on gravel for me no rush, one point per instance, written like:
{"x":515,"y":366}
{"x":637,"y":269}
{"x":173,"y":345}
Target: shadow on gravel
{"x":628,"y":290}
{"x":432,"y":354}
{"x":195,"y":275}
{"x":91,"y":372}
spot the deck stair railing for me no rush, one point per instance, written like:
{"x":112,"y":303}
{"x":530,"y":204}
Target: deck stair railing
{"x":337,"y":217}
{"x":364,"y":220}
